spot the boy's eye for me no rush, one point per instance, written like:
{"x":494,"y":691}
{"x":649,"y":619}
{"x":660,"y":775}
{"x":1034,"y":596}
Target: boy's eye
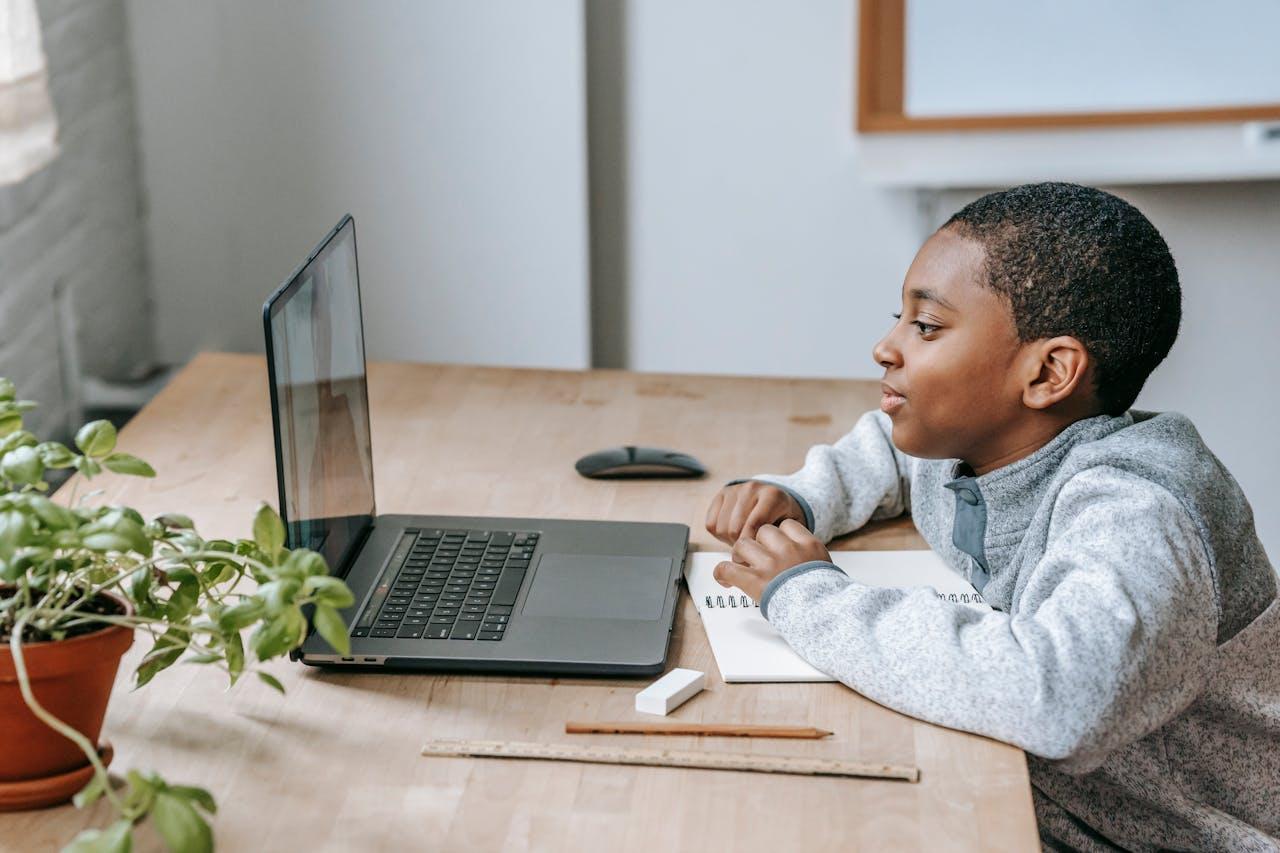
{"x":925,"y":328}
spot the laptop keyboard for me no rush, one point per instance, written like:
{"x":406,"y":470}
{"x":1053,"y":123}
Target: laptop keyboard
{"x":448,"y":584}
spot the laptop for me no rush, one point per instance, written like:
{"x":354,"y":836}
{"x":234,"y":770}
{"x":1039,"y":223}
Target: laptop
{"x":440,"y":592}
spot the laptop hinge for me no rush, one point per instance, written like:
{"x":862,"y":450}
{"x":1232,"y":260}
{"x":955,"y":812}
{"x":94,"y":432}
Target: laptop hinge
{"x":308,"y":610}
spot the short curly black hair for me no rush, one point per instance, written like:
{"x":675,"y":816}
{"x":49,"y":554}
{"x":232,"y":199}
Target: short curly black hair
{"x":1073,"y":260}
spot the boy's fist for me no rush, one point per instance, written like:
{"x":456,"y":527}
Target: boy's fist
{"x":741,"y":509}
{"x":754,"y":562}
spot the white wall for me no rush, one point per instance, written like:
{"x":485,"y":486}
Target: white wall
{"x":754,"y":247}
{"x":454,"y":132}
{"x":985,"y":57}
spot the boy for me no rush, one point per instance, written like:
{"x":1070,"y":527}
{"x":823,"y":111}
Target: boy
{"x":1133,"y":647}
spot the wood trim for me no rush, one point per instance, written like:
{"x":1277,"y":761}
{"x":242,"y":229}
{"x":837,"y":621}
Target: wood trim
{"x":881,"y":101}
{"x":881,"y":59}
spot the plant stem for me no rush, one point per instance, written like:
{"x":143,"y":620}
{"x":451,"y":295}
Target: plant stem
{"x":128,"y":621}
{"x":150,"y":563}
{"x":60,"y":592}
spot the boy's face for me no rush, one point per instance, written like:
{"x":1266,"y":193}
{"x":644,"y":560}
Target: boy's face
{"x":949,"y":384}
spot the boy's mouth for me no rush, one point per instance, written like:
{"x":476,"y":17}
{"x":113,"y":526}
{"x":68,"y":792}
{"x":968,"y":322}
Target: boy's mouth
{"x":890,"y":400}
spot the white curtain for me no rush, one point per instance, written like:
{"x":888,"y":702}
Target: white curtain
{"x":28,"y":128}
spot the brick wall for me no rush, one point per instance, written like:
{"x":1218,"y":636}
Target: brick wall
{"x":76,"y":227}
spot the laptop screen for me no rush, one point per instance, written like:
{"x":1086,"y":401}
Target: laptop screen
{"x":320,"y":401}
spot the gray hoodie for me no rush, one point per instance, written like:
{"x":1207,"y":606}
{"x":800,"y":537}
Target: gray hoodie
{"x":1134,"y":649}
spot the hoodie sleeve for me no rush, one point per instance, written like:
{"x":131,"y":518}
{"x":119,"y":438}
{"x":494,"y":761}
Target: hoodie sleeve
{"x":1112,"y":636}
{"x":844,"y":485}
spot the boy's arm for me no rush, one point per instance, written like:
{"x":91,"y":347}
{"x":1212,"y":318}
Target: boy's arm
{"x":843,"y":486}
{"x":1112,"y":637}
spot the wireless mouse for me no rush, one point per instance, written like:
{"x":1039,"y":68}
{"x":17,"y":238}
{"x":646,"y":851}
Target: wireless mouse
{"x":620,"y":462}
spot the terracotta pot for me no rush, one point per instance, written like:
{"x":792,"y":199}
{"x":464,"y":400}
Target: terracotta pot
{"x":72,"y":679}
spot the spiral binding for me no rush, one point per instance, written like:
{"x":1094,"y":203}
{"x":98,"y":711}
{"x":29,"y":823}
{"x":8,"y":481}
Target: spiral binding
{"x":742,"y":601}
{"x":727,"y":601}
{"x":962,"y":598}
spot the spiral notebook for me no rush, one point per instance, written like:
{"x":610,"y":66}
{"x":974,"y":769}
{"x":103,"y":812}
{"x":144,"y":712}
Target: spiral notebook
{"x":746,"y":646}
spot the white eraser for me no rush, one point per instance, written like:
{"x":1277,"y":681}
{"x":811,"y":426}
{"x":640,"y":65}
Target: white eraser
{"x":670,"y":691}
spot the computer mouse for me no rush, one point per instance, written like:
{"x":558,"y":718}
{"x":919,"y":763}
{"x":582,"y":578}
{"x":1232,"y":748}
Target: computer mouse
{"x":620,"y":462}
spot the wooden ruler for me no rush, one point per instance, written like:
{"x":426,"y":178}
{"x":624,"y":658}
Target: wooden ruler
{"x":795,"y":764}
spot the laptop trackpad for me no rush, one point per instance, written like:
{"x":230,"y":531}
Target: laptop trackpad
{"x":584,"y":586}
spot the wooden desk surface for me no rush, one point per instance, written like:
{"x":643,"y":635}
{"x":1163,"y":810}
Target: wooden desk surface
{"x":335,"y":764}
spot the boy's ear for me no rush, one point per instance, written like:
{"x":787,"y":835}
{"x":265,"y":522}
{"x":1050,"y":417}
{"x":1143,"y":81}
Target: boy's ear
{"x":1056,"y":369}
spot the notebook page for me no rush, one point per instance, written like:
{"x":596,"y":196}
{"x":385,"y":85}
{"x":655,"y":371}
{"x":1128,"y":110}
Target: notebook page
{"x":747,"y":648}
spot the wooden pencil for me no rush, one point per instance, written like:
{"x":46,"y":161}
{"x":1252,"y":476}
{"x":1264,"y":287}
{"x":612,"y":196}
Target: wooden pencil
{"x":700,"y":729}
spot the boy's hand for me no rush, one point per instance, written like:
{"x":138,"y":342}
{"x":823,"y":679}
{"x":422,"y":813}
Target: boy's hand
{"x":739,"y":510}
{"x":755,"y":562}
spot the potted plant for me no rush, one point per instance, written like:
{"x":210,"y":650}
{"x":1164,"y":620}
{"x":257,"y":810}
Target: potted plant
{"x":78,"y":580}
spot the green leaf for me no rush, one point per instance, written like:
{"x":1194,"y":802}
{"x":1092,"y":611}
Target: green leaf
{"x":234,"y":647}
{"x":22,"y":465}
{"x":180,"y":573}
{"x":220,"y":571}
{"x":7,"y":389}
{"x":55,"y":516}
{"x":141,"y":582}
{"x":249,"y":549}
{"x":124,"y":463}
{"x":186,"y":540}
{"x":279,"y":595}
{"x":115,"y":532}
{"x":23,"y":560}
{"x":20,"y":438}
{"x":15,"y":531}
{"x":10,"y":423}
{"x":90,"y":793}
{"x":87,"y":466}
{"x":180,"y":825}
{"x":279,"y":635}
{"x":55,"y":455}
{"x":271,"y":680}
{"x":313,"y":563}
{"x":168,"y":648}
{"x":329,"y":590}
{"x":237,"y":617}
{"x":198,"y":796}
{"x":183,"y":599}
{"x":96,"y":438}
{"x":268,"y":531}
{"x":120,"y":526}
{"x":330,"y":625}
{"x":117,"y":838}
{"x":176,"y":521}
{"x":105,"y":540}
{"x":302,"y":564}
{"x":142,"y":792}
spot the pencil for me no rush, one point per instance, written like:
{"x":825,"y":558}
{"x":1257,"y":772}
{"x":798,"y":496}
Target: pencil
{"x":712,"y":729}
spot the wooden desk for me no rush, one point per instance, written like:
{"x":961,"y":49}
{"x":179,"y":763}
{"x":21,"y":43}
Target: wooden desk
{"x":335,"y":765}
